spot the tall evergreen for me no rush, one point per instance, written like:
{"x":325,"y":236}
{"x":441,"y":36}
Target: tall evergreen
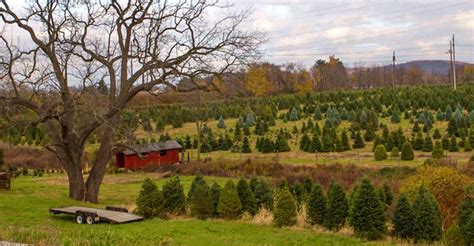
{"x":403,"y":219}
{"x":358,"y":141}
{"x":247,"y":198}
{"x":221,"y":123}
{"x":215,"y":194}
{"x":438,"y":150}
{"x":407,"y":152}
{"x":201,"y":205}
{"x":367,"y":214}
{"x":428,"y":222}
{"x":198,"y":180}
{"x":337,"y":209}
{"x":427,"y":144}
{"x":263,"y":195}
{"x":174,"y":200}
{"x":453,"y":145}
{"x":229,"y":205}
{"x":284,"y":213}
{"x":465,"y":215}
{"x":345,"y":140}
{"x":150,"y":200}
{"x":246,"y":146}
{"x":418,"y":142}
{"x":317,"y":206}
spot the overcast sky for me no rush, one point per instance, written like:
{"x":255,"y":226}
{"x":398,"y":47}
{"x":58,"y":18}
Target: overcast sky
{"x":363,"y":31}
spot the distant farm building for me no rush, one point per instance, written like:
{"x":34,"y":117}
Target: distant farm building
{"x":153,"y":154}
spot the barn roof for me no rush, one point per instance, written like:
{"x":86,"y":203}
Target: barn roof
{"x":151,"y":147}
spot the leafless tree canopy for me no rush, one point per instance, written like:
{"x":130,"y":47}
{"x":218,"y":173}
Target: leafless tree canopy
{"x":130,"y":46}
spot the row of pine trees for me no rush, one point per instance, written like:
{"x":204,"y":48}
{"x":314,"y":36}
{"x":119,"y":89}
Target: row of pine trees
{"x":364,"y":209}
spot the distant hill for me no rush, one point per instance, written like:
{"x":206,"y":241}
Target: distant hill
{"x":431,"y":66}
{"x":440,"y":67}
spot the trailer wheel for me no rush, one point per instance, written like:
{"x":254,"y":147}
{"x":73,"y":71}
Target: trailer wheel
{"x":90,"y":220}
{"x":80,"y":218}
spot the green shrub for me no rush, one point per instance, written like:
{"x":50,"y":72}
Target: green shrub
{"x":316,"y":206}
{"x":403,"y":219}
{"x":247,"y":198}
{"x":380,"y":153}
{"x":149,"y":201}
{"x":198,"y":180}
{"x":407,"y":152}
{"x":229,"y":206}
{"x":173,"y":197}
{"x":337,"y":209}
{"x":367,"y":213}
{"x":395,"y":152}
{"x":284,"y":212}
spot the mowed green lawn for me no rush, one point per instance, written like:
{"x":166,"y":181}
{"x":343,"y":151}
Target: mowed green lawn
{"x":24,"y":218}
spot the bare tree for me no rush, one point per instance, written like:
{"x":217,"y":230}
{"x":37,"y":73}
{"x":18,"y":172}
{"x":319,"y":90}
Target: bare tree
{"x":71,"y":46}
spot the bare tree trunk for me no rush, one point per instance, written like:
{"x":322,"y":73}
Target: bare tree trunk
{"x":97,"y":173}
{"x":76,"y":182}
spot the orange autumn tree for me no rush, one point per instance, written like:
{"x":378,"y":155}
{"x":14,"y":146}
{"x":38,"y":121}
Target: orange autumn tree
{"x":257,"y":82}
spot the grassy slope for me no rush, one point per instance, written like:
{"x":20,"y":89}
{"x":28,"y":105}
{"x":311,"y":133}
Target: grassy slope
{"x":24,"y":218}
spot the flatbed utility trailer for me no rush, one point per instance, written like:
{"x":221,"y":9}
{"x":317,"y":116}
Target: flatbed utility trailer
{"x":113,"y":215}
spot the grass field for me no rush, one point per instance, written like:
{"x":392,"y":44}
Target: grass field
{"x":24,"y":218}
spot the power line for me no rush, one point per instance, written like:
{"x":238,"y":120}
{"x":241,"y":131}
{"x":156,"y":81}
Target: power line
{"x":368,"y":22}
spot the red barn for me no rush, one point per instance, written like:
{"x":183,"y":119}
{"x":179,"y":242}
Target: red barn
{"x":162,"y":153}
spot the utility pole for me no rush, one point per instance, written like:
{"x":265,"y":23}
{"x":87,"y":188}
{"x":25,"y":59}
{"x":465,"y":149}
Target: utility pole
{"x":454,"y":63}
{"x":393,"y":69}
{"x":450,"y":52}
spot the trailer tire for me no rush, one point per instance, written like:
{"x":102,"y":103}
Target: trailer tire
{"x":90,"y":219}
{"x":80,"y":218}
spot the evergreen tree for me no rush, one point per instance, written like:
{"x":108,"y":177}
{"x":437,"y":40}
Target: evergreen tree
{"x":418,"y":142}
{"x":407,"y":152}
{"x":247,"y":198}
{"x":345,"y":140}
{"x":198,"y":180}
{"x":438,"y":151}
{"x":221,"y":123}
{"x":428,"y":222}
{"x":358,"y":141}
{"x":284,"y":213}
{"x":246,"y":130}
{"x":294,"y":115}
{"x":246,"y":146}
{"x":317,"y":206}
{"x":445,"y":142}
{"x":395,"y":119}
{"x":315,"y":144}
{"x":416,"y":127}
{"x":338,"y":145}
{"x":427,"y":144}
{"x":263,"y":195}
{"x":380,"y":153}
{"x":395,"y":152}
{"x":337,"y":209}
{"x":453,"y":145}
{"x":388,"y":194}
{"x":369,"y":134}
{"x":467,"y":147}
{"x":215,"y":194}
{"x":174,"y":200}
{"x":437,"y":134}
{"x":317,"y":114}
{"x":367,"y":213}
{"x":229,"y":205}
{"x":201,"y":205}
{"x":281,"y":144}
{"x":305,"y":143}
{"x":465,"y":214}
{"x":149,"y":201}
{"x":403,"y":219}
